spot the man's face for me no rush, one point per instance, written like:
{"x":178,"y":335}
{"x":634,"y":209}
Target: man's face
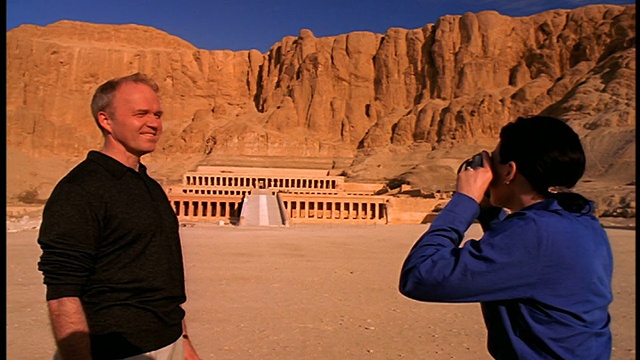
{"x":135,"y":118}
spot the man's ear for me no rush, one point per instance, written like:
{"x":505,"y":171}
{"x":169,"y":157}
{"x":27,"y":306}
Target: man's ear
{"x":104,"y":121}
{"x":511,"y":172}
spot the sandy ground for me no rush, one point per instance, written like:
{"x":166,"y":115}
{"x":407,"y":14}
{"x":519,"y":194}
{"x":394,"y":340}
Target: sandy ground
{"x":304,"y":292}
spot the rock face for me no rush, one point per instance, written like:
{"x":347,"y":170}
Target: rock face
{"x":437,"y":92}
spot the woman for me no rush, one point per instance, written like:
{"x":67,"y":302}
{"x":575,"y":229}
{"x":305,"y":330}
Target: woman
{"x":542,"y":270}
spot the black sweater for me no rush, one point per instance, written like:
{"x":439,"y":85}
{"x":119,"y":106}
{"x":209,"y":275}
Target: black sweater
{"x":110,"y":237}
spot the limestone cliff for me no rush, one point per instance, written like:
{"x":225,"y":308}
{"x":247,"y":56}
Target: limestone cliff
{"x":407,"y":104}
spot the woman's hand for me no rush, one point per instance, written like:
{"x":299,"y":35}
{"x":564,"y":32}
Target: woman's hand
{"x":474,"y":182}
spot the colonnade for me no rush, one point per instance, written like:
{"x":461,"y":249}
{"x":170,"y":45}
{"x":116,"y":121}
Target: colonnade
{"x":190,"y":208}
{"x":298,"y":209}
{"x":260,"y":182}
{"x":209,"y":191}
{"x":340,"y":209}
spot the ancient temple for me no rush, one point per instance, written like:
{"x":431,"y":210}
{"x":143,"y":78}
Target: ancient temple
{"x":279,"y":197}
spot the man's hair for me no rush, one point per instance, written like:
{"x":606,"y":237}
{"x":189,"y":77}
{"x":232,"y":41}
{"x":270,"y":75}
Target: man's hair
{"x":103,"y":97}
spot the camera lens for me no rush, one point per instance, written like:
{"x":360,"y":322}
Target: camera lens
{"x":474,"y":162}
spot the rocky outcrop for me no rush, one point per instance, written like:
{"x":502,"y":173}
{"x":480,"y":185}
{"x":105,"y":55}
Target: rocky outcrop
{"x":446,"y":86}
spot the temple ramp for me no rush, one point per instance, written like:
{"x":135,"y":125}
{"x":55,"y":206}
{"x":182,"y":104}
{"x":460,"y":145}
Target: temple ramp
{"x":261,"y":208}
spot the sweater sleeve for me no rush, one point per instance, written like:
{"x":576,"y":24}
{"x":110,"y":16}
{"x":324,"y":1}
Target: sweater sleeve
{"x":67,"y":239}
{"x":492,"y":268}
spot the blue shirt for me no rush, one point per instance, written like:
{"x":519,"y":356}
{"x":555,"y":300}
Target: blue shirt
{"x":542,"y":276}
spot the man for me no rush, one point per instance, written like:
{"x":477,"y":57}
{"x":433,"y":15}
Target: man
{"x":111,"y":254}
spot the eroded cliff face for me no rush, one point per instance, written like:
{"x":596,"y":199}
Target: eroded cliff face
{"x":428,"y":91}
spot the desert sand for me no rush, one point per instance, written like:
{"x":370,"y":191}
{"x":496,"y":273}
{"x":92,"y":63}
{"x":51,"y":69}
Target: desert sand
{"x":304,"y":292}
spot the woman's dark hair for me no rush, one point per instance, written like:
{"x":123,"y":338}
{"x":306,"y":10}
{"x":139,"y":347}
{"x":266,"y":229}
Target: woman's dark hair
{"x":548,"y":153}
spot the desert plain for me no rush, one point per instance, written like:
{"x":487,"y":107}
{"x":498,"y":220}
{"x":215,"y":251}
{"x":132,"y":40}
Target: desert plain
{"x":305,"y":292}
{"x":404,"y":107}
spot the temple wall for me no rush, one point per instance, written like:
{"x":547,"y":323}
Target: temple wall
{"x":410,"y":210}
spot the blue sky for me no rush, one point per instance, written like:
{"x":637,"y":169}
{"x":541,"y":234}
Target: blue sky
{"x":258,"y":24}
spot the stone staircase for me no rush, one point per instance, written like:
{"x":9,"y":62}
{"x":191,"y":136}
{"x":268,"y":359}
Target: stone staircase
{"x":261,"y":208}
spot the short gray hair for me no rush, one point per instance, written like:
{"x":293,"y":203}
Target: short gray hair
{"x":103,"y":96}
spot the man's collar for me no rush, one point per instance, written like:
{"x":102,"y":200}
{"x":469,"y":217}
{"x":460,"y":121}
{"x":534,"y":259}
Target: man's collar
{"x":113,"y":166}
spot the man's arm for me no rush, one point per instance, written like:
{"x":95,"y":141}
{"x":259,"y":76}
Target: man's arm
{"x":70,"y":328}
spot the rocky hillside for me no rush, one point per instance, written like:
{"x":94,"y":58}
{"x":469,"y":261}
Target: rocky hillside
{"x":401,"y":107}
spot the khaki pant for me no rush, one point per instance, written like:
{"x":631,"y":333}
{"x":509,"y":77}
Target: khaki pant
{"x":174,"y":351}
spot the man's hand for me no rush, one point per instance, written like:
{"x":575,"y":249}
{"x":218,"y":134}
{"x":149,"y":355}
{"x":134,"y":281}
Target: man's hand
{"x":189,"y":351}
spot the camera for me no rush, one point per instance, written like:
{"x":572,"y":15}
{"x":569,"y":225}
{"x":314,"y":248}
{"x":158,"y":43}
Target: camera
{"x":474,"y":162}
